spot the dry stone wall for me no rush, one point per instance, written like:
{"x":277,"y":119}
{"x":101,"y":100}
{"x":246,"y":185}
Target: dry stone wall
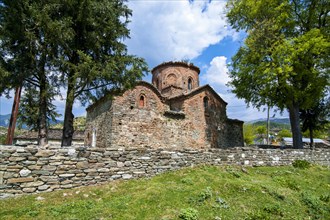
{"x":31,"y":169}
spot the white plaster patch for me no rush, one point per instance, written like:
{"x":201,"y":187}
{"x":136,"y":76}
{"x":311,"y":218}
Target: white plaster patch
{"x":71,"y":151}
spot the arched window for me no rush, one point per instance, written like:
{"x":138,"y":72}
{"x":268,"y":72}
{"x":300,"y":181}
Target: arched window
{"x":189,"y":84}
{"x":142,"y":101}
{"x":206,"y":102}
{"x":157,"y":83}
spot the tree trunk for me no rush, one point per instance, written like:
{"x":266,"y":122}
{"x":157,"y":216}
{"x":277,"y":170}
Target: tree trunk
{"x":13,"y":117}
{"x":295,"y":126}
{"x":311,"y":137}
{"x":43,"y":130}
{"x":68,"y":116}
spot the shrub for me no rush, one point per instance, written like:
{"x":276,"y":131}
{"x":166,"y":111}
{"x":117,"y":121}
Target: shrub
{"x":222,"y":203}
{"x":301,"y":164}
{"x":188,"y":214}
{"x":201,"y":197}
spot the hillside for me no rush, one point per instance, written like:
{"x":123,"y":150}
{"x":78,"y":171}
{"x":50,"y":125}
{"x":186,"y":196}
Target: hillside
{"x":273,"y":125}
{"x":204,"y":192}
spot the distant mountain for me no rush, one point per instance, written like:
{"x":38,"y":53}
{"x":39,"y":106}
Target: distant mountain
{"x":275,"y":123}
{"x":275,"y":120}
{"x":4,"y":121}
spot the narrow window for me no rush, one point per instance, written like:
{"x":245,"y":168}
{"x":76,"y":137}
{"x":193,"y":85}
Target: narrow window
{"x":94,"y":138}
{"x":189,"y":84}
{"x":157,"y":83}
{"x":206,"y":102}
{"x":142,"y":101}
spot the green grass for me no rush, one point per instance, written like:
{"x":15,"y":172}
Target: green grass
{"x":204,"y":192}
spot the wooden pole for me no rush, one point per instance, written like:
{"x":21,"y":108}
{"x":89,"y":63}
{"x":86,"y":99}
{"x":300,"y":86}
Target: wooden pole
{"x":268,"y":126}
{"x":13,"y":117}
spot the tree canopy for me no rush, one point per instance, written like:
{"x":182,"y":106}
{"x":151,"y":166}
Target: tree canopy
{"x":73,"y":44}
{"x":94,"y":59}
{"x":284,"y":61}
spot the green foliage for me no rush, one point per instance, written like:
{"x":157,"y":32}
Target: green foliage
{"x":315,"y":120}
{"x":189,"y":214}
{"x":201,"y":197}
{"x":29,"y":111}
{"x":261,"y":130}
{"x":93,"y":57}
{"x":301,"y":164}
{"x":222,"y":203}
{"x":315,"y":207}
{"x":2,"y":139}
{"x":30,"y":33}
{"x":248,"y":133}
{"x":284,"y":133}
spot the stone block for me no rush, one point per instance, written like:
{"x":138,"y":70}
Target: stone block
{"x":1,"y":177}
{"x":24,"y":172}
{"x":20,"y":180}
{"x":82,"y":165}
{"x":32,"y":184}
{"x":103,"y":170}
{"x":115,"y":177}
{"x":43,"y":187}
{"x":16,"y":159}
{"x":67,"y":186}
{"x":44,"y":153}
{"x":120,"y":164}
{"x":66,"y":175}
{"x":43,"y":172}
{"x":29,"y":190}
{"x":49,"y":178}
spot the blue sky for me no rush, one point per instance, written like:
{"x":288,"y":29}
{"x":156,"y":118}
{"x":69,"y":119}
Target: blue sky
{"x":175,"y":30}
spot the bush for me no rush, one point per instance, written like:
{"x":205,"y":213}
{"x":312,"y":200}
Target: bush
{"x":301,"y":164}
{"x":188,"y":214}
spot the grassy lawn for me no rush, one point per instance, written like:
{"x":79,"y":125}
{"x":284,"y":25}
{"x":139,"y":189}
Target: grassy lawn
{"x":203,"y":192}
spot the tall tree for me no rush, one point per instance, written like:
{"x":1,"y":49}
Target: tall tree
{"x":29,"y":34}
{"x":29,"y":109}
{"x":285,"y":59}
{"x":94,"y":58}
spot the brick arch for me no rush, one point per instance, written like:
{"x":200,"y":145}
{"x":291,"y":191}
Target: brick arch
{"x":141,"y":100}
{"x":172,"y":77}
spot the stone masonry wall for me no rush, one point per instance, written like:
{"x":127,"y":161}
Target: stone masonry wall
{"x":31,"y":169}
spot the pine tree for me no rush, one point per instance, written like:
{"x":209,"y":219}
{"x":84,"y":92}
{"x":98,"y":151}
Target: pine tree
{"x":94,"y":57}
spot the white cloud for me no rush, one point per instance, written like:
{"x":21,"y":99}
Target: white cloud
{"x":175,"y":30}
{"x":217,"y":73}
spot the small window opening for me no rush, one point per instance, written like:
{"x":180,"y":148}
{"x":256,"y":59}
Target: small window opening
{"x":94,"y":138}
{"x":157,"y":83}
{"x":142,"y":101}
{"x":206,"y":102}
{"x":189,"y":84}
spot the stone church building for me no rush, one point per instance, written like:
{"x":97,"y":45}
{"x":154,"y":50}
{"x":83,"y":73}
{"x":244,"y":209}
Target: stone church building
{"x":173,"y":111}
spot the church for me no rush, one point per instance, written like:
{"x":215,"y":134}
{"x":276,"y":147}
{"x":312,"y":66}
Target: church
{"x":172,"y":112}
